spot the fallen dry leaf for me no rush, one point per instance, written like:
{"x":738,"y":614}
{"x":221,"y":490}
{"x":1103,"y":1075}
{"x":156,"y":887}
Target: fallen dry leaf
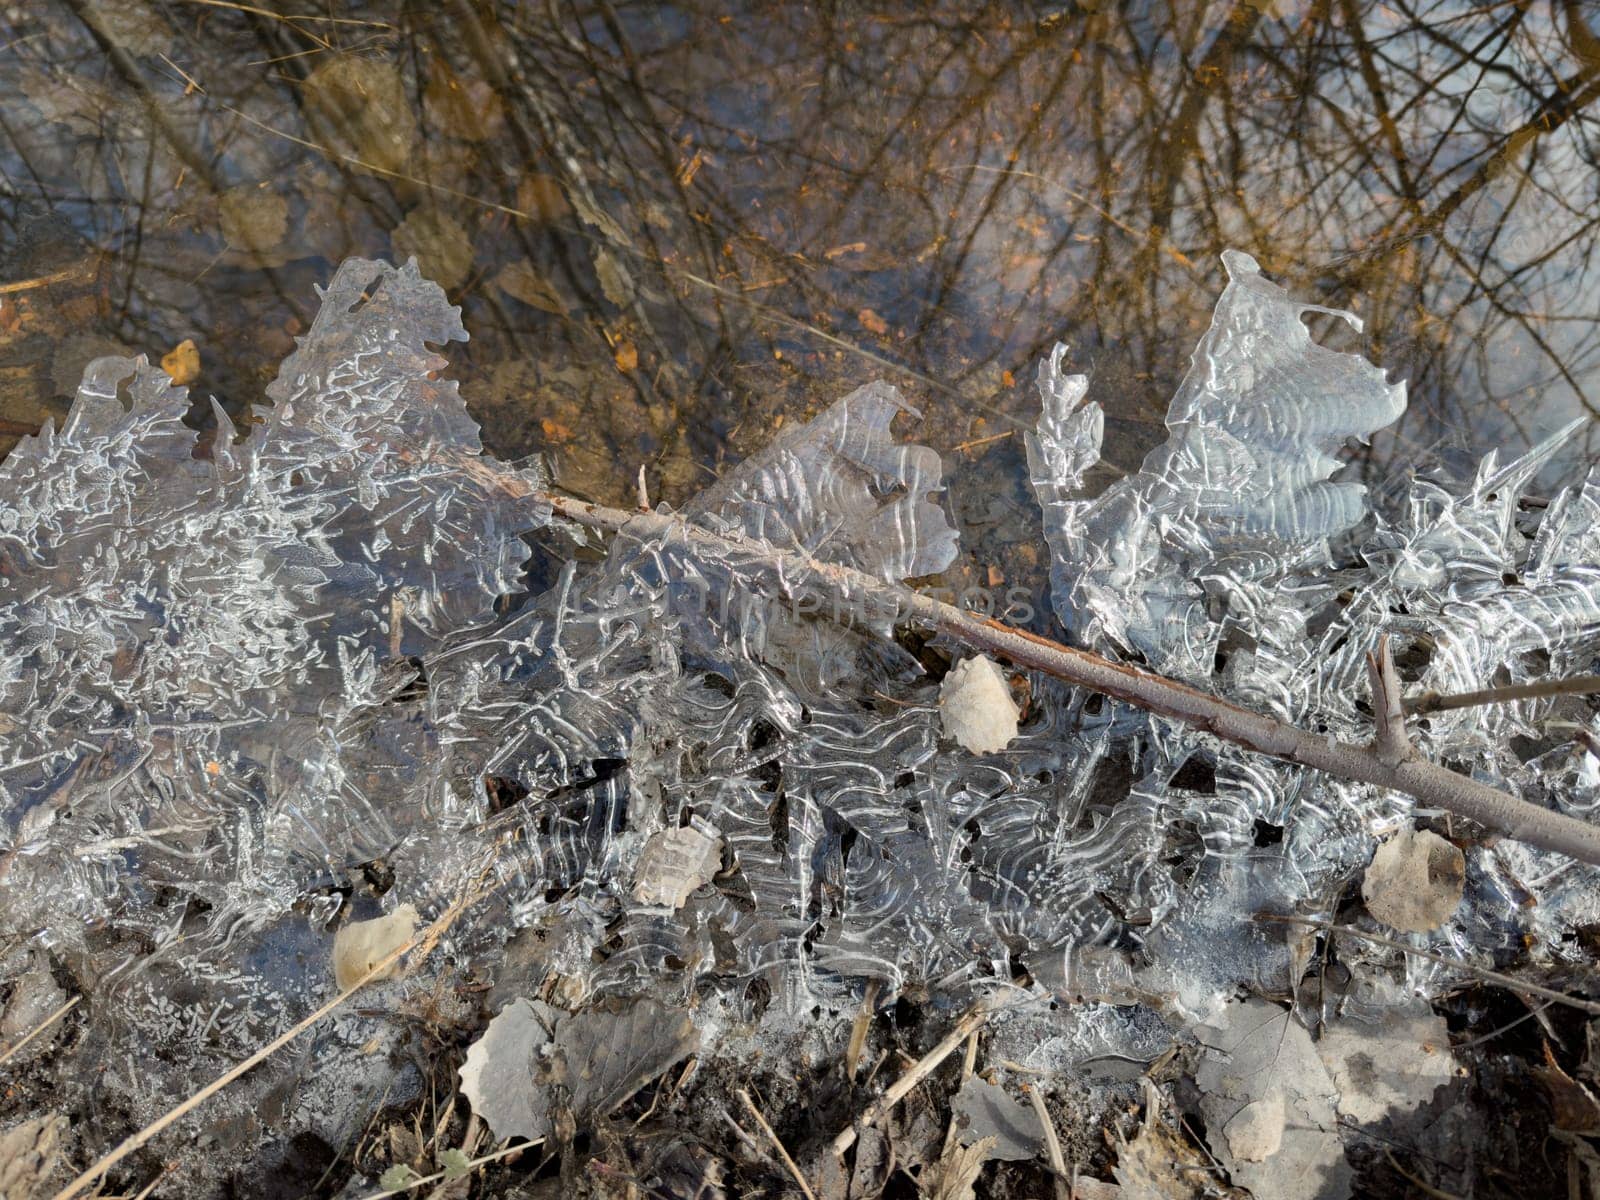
{"x":872,"y":322}
{"x":627,"y":356}
{"x":1414,"y":882}
{"x":182,"y":363}
{"x":522,"y":281}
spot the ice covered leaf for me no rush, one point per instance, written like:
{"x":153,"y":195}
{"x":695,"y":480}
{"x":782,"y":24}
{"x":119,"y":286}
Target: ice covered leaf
{"x":35,"y":998}
{"x":976,"y":707}
{"x":362,"y":945}
{"x":1240,"y":492}
{"x":29,"y":1155}
{"x":609,"y":1051}
{"x":1414,"y":882}
{"x":673,"y":864}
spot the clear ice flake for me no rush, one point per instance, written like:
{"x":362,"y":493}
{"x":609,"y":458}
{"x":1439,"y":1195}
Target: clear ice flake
{"x":1239,"y":493}
{"x":229,"y":680}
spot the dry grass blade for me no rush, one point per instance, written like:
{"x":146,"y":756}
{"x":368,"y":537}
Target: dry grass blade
{"x":40,"y":1028}
{"x":777,"y":1144}
{"x":1052,"y":1142}
{"x":915,"y":1074}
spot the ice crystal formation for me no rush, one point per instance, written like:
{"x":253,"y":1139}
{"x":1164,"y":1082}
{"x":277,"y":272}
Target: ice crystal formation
{"x":234,"y":677}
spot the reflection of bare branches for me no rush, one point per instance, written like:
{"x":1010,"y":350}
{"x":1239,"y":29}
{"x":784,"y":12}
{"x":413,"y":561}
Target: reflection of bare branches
{"x":1007,"y":182}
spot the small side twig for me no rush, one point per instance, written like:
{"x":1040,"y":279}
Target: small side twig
{"x":1573,"y":685}
{"x":1390,"y":741}
{"x":1509,"y":982}
{"x":777,"y":1144}
{"x":915,"y":1074}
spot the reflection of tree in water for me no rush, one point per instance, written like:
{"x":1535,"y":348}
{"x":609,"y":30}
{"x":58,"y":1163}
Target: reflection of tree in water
{"x":754,"y":203}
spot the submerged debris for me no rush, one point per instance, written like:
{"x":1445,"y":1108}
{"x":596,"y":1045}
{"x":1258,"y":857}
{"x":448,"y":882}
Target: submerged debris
{"x":1414,"y":882}
{"x":361,"y":945}
{"x":976,"y":707}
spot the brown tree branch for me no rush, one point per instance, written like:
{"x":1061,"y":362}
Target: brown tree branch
{"x":795,"y":574}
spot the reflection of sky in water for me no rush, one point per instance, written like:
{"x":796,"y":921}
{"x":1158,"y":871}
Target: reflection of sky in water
{"x":670,"y":228}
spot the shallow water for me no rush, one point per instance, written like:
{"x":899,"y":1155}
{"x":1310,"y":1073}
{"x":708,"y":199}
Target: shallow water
{"x":673,"y":228}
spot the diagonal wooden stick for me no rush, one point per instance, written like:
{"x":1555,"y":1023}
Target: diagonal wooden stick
{"x":791,"y":573}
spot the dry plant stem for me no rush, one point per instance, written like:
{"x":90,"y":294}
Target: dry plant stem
{"x":915,"y":1074}
{"x":800,"y":575}
{"x":859,"y":1029}
{"x":439,"y":1176}
{"x":777,"y":1145}
{"x":1510,"y":983}
{"x":40,"y":1028}
{"x":1052,"y":1143}
{"x":1573,"y":685}
{"x":427,"y":939}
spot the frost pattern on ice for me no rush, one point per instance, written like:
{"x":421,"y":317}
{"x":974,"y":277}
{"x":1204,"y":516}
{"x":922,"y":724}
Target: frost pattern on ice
{"x":229,"y":681}
{"x":204,"y":659}
{"x":1239,"y":493}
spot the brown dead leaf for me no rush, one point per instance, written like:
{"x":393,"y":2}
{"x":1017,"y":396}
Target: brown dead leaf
{"x":521,"y":280}
{"x":872,"y":322}
{"x":627,"y":357}
{"x":541,"y":198}
{"x":1573,"y":1106}
{"x":182,"y":363}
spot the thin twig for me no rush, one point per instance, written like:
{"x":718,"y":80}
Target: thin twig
{"x":40,"y":1028}
{"x":915,"y":1074}
{"x":772,"y":1137}
{"x":471,"y":1165}
{"x":26,"y":285}
{"x":795,"y":574}
{"x":1509,"y":982}
{"x":1052,"y":1143}
{"x":1572,"y":685}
